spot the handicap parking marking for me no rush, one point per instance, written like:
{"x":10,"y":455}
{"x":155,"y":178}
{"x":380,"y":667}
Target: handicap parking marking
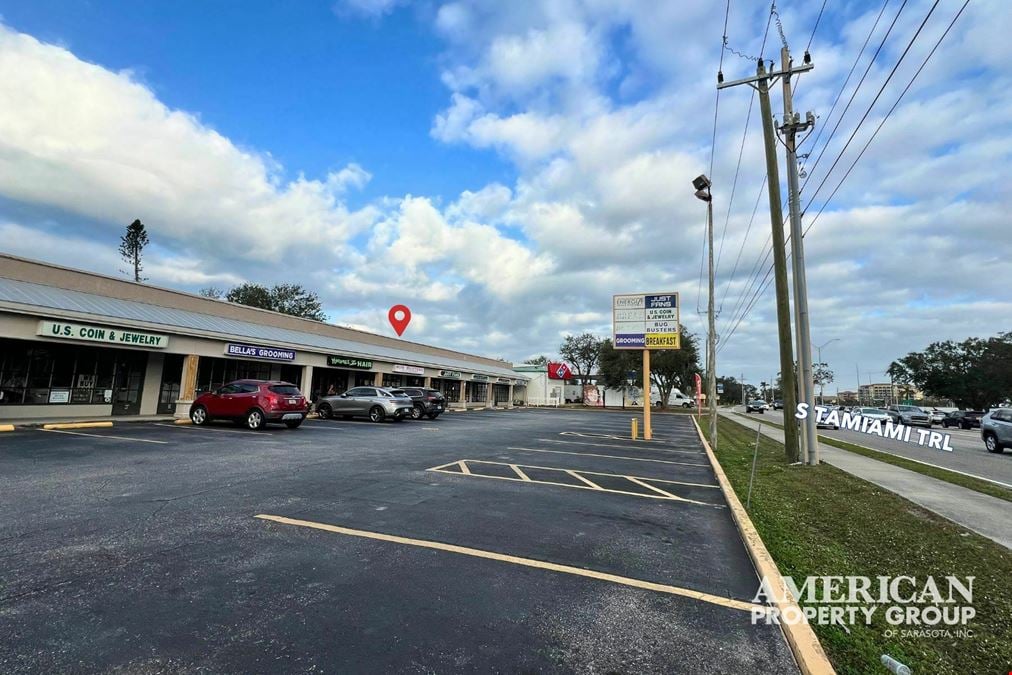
{"x":631,"y":459}
{"x":561,"y":477}
{"x":732,"y":603}
{"x":104,"y":436}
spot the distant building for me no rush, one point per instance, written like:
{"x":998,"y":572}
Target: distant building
{"x":888,"y":392}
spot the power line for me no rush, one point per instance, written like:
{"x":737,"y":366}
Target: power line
{"x":764,"y":254}
{"x":890,"y":112}
{"x":765,"y":284}
{"x":853,"y":94}
{"x":816,"y":27}
{"x":874,"y":101}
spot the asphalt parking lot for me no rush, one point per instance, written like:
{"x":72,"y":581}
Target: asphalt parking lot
{"x":524,"y":540}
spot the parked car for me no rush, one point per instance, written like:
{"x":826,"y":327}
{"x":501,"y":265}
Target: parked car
{"x":823,"y":423}
{"x":872,"y":414}
{"x":778,"y":404}
{"x":964,"y":419}
{"x":756,"y":406}
{"x":935,"y":414}
{"x":909,"y":415}
{"x":253,"y":403}
{"x":996,"y":429}
{"x":428,"y":402}
{"x":376,"y":403}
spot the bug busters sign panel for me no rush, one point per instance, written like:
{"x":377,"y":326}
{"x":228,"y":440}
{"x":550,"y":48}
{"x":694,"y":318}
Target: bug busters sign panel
{"x":645,"y":321}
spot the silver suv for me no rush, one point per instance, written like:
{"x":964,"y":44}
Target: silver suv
{"x":376,"y":403}
{"x":996,"y":429}
{"x":910,"y":415}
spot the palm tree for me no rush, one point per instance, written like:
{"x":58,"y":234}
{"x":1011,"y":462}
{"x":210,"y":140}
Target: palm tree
{"x":762,"y":390}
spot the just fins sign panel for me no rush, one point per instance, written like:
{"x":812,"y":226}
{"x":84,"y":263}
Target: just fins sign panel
{"x":645,"y":321}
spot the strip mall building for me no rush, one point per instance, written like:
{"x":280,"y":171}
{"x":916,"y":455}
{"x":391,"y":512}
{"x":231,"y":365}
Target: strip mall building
{"x":77,"y":344}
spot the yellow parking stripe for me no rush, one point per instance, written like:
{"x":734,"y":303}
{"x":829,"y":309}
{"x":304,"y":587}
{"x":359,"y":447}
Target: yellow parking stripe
{"x":730,"y":603}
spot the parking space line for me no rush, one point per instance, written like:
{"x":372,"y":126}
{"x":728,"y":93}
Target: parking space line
{"x":721,"y":601}
{"x":649,"y":487}
{"x":471,"y":467}
{"x":622,"y":447}
{"x":631,"y":459}
{"x":588,"y":482}
{"x":113,"y":438}
{"x":523,"y":476}
{"x":213,"y":430}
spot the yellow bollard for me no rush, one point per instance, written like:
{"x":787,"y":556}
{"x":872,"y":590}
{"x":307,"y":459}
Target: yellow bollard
{"x":635,"y":428}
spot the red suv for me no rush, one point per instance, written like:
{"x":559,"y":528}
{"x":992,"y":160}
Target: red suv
{"x":252,"y":403}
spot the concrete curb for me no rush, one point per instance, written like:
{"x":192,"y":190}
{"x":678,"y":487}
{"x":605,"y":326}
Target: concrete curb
{"x":6,"y":427}
{"x":807,"y":649}
{"x":183,"y":421}
{"x":77,"y":425}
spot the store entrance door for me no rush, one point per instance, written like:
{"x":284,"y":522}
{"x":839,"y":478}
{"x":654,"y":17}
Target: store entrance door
{"x":128,"y":383}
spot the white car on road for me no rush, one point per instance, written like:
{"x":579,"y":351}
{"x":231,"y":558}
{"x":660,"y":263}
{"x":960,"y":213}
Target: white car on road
{"x":872,"y":414}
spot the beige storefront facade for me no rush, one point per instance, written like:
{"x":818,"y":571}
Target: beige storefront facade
{"x":76,"y":344}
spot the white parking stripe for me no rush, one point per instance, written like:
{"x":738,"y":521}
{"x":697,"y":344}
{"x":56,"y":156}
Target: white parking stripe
{"x":114,"y":438}
{"x":210,"y":430}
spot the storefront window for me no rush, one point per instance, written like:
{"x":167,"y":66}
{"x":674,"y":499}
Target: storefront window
{"x":34,"y":374}
{"x":365,"y":379}
{"x":449,"y":388}
{"x":214,"y":372}
{"x":413,"y":381}
{"x":477,"y":392}
{"x":390,"y":380}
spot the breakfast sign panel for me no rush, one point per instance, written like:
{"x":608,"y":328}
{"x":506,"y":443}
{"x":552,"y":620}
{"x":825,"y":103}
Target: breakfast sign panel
{"x":645,"y":321}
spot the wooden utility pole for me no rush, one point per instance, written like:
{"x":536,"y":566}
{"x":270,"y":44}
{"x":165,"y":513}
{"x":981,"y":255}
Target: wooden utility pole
{"x":761,"y":83}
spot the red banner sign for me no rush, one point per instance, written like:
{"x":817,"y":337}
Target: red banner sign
{"x":559,"y":371}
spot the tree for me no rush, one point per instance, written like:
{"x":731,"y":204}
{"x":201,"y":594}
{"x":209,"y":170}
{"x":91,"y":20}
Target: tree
{"x":290,"y":299}
{"x":732,"y":389}
{"x":672,"y":368}
{"x":582,"y":352}
{"x":762,"y":390}
{"x":821,"y":375}
{"x":615,"y":365}
{"x":212,"y":292}
{"x":540,"y":360}
{"x":131,"y":247}
{"x":976,"y":372}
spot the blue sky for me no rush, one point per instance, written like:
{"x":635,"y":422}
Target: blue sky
{"x":315,"y":89}
{"x":504,"y":168}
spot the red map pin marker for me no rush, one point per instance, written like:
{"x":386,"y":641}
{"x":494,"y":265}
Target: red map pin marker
{"x":400,"y":317}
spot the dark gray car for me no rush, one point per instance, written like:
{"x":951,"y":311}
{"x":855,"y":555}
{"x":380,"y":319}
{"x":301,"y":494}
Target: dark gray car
{"x":376,"y":403}
{"x":996,"y":429}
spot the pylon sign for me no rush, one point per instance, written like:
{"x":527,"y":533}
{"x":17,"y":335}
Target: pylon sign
{"x":645,"y":321}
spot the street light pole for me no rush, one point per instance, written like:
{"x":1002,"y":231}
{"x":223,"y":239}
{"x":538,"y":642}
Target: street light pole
{"x":702,"y":185}
{"x":818,"y":348}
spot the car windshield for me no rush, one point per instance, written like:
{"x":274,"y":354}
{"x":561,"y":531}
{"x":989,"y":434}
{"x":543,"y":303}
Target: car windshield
{"x":909,"y":408}
{"x":873,"y":411}
{"x":285,"y":389}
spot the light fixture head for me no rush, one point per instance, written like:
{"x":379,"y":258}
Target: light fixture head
{"x":701,"y":182}
{"x":703,"y":194}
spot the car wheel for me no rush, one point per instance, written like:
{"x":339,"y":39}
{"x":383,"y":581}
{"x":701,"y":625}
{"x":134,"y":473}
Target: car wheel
{"x":293,"y":424}
{"x":376,"y":414}
{"x":417,"y":412}
{"x":324,"y":411}
{"x":199,"y":415}
{"x":686,"y":405}
{"x":992,"y":444}
{"x":255,"y":420}
{"x":432,"y":416}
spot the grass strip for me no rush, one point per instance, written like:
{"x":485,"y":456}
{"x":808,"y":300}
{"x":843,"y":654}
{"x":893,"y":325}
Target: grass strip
{"x":821,"y":521}
{"x":969,"y":482}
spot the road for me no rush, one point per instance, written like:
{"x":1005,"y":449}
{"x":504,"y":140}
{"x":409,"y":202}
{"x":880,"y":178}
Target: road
{"x":511,"y":541}
{"x":968,"y":455}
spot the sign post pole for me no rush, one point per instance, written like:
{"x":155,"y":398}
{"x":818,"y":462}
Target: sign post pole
{"x":647,"y":431}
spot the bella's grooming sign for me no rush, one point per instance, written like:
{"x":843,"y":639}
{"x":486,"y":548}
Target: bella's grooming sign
{"x":645,"y":321}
